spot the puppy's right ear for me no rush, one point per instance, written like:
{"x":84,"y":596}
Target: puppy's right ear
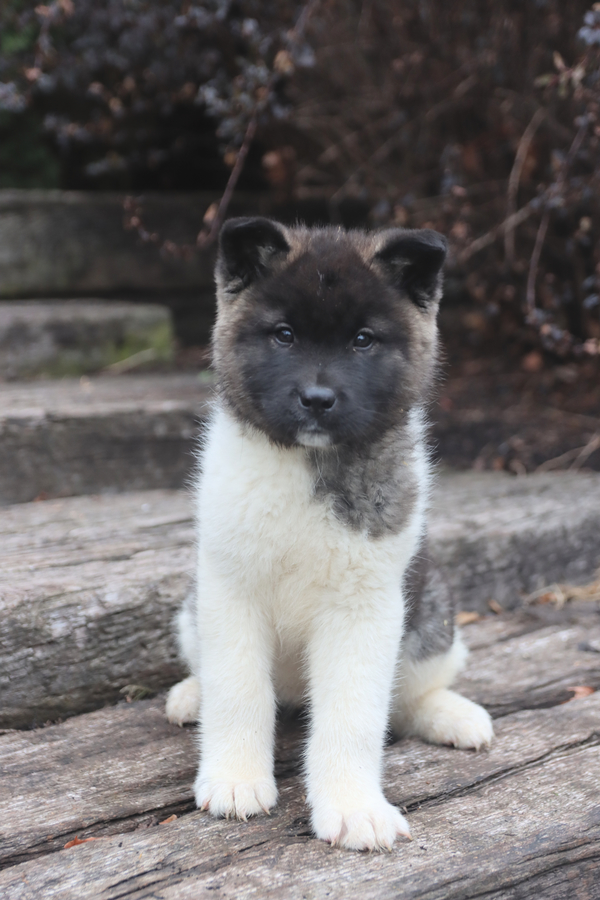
{"x":247,"y":250}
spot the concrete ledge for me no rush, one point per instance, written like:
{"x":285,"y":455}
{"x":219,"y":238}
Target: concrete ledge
{"x":89,"y":585}
{"x":61,"y":242}
{"x":68,"y":437}
{"x":79,"y":336}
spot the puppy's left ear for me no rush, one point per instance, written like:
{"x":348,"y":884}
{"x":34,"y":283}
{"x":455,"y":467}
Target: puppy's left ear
{"x":413,"y":262}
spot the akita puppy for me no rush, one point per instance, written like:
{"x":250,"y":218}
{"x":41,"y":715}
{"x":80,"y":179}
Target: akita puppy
{"x":311,"y":505}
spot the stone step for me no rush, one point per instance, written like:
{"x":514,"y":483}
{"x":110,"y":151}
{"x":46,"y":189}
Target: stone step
{"x":89,"y":585}
{"x":102,"y":434}
{"x":72,"y":242}
{"x":74,"y":337}
{"x":75,"y":242}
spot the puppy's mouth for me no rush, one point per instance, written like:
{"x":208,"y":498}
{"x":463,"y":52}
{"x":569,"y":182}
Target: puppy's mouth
{"x":313,"y":437}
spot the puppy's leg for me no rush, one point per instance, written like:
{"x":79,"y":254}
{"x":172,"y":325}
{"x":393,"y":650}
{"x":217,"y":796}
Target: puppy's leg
{"x":431,"y":656}
{"x":183,"y":700}
{"x":424,"y":707}
{"x":351,"y":659}
{"x":237,"y":730}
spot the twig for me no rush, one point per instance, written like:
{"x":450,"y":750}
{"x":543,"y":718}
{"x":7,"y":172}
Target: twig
{"x":533,"y":267}
{"x":208,"y":235}
{"x":383,"y":151}
{"x":205,"y":238}
{"x":559,"y":594}
{"x":555,"y":191}
{"x":131,"y":362}
{"x":514,"y":179}
{"x":592,"y":445}
{"x":576,"y":457}
{"x":489,"y":237}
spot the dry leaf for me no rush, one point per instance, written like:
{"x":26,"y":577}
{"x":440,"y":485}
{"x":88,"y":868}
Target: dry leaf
{"x":581,"y":690}
{"x":76,"y":841}
{"x":465,"y":618}
{"x":169,"y":819}
{"x":559,"y":594}
{"x":495,"y":607}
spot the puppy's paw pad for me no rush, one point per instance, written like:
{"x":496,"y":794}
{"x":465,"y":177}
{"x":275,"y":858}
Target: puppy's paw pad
{"x":183,"y":702}
{"x":236,"y":799}
{"x":448,"y":718}
{"x":374,"y":827}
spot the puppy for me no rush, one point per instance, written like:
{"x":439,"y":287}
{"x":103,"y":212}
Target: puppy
{"x":311,"y":513}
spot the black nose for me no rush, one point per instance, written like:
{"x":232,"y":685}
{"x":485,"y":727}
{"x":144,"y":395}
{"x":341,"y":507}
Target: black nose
{"x":318,"y":399}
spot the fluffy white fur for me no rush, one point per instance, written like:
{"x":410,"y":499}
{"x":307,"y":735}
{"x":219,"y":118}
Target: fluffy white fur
{"x":294,"y":606}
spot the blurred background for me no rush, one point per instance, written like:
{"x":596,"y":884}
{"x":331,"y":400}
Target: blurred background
{"x":130,"y":128}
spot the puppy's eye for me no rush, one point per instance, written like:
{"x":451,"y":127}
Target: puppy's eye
{"x":363,"y":339}
{"x":284,"y":334}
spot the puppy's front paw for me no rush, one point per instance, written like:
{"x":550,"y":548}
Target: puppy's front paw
{"x":183,"y":702}
{"x":372,"y":826}
{"x":445,"y":717}
{"x":235,"y":798}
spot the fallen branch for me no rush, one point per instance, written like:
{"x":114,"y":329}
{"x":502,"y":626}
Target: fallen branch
{"x":577,"y":457}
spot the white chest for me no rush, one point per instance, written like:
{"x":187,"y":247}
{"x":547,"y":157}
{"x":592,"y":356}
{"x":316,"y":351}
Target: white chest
{"x":260,"y":522}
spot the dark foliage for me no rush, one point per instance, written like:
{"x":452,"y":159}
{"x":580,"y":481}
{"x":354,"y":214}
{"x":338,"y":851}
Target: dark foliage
{"x":141,"y":94}
{"x":478,"y":119}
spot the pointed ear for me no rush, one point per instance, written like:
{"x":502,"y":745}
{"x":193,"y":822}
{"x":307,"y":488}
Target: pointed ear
{"x":413,"y":261}
{"x":247,"y":250}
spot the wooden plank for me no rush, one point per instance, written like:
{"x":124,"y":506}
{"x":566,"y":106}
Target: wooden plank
{"x":482,"y":824}
{"x":74,"y":242}
{"x":89,"y":585}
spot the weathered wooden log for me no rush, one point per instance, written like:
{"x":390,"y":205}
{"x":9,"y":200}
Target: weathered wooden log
{"x":486,"y":824}
{"x":88,"y":591}
{"x":534,"y":670}
{"x":497,"y":537}
{"x":89,"y":585}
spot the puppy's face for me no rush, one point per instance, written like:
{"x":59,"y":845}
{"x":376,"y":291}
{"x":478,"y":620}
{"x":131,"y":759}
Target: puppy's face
{"x":323,"y":337}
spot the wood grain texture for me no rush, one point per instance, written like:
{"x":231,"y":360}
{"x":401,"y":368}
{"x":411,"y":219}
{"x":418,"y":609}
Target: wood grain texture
{"x":132,"y":764}
{"x":536,"y":669}
{"x":89,"y":585}
{"x":497,"y":537}
{"x":483,"y":824}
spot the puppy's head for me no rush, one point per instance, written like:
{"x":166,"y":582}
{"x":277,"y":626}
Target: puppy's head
{"x":325,"y":337}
